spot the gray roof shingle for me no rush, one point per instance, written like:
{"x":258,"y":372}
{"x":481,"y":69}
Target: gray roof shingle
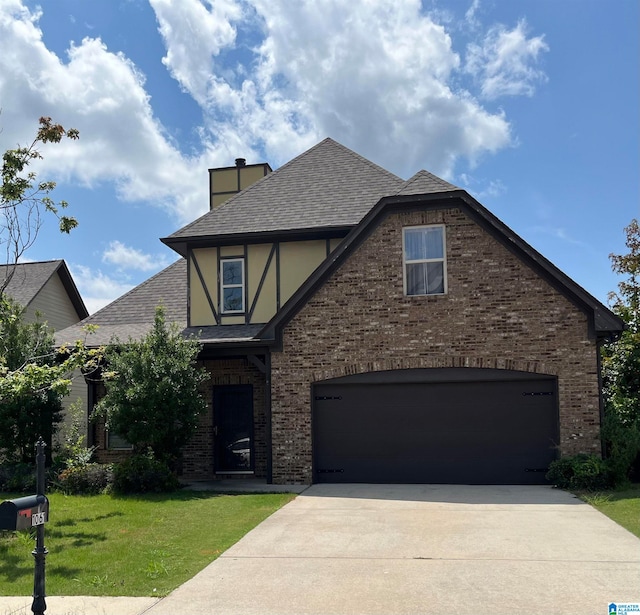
{"x":326,"y":186}
{"x":29,"y":279}
{"x":132,"y":315}
{"x":424,"y":182}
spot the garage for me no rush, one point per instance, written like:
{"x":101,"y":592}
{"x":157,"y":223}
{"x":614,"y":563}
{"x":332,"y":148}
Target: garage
{"x":454,"y":425}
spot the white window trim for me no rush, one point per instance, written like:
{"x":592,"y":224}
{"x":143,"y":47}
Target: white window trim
{"x":223,"y":285}
{"x":442,"y":260}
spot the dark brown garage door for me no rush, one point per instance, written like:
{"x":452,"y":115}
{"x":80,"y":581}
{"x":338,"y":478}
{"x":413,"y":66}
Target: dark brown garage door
{"x":470,"y":432}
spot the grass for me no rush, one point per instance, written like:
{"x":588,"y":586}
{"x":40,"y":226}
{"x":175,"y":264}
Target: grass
{"x":130,"y":546}
{"x":623,"y":506}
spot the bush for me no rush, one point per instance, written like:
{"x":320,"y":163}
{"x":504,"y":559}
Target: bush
{"x":623,"y":446}
{"x":143,"y":474}
{"x":18,"y":477}
{"x":580,"y":472}
{"x":89,"y":479}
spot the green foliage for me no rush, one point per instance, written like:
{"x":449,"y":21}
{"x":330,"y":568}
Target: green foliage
{"x":17,"y":477}
{"x":152,"y":391}
{"x":89,"y":479}
{"x":580,"y":472}
{"x":623,"y":445}
{"x":621,"y":365}
{"x":26,"y":415}
{"x":72,"y":451}
{"x":22,"y":197}
{"x":143,"y":474}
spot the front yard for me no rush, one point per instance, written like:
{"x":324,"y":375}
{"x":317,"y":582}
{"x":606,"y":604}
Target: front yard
{"x":130,"y":546}
{"x":622,"y":506}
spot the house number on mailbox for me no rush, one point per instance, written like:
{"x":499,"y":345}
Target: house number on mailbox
{"x":38,"y":519}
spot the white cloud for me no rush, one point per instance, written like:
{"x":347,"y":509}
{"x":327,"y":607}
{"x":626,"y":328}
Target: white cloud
{"x":272,"y":78}
{"x":376,"y":76}
{"x":481,"y":187}
{"x":126,"y":257}
{"x":103,"y":95}
{"x":96,"y":288}
{"x":197,"y":33}
{"x":505,"y":63}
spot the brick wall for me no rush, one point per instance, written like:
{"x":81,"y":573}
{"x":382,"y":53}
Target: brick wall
{"x":497,"y":313}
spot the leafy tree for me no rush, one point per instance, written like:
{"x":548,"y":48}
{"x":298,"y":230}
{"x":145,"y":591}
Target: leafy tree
{"x":23,"y":199}
{"x":621,"y":362}
{"x":27,"y":414}
{"x":152,"y":391}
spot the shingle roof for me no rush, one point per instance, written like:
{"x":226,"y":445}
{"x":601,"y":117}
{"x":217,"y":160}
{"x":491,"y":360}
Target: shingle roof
{"x":424,"y":182}
{"x":326,"y":186}
{"x":30,"y":278}
{"x":132,"y":315}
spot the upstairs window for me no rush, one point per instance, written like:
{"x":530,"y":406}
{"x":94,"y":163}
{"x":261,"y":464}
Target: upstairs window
{"x":232,"y":285}
{"x":424,"y":260}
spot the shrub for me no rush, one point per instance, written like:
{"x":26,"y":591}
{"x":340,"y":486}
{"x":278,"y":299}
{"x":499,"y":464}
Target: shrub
{"x":143,"y":474}
{"x":580,"y":472}
{"x":18,"y":477}
{"x":89,"y":479}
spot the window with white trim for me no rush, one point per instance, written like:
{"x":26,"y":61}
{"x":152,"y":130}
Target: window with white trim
{"x":232,"y":285}
{"x":425,"y":267}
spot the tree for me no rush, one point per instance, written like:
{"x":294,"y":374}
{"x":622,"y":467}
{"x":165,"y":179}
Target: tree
{"x":152,"y":391}
{"x":621,"y":362}
{"x":30,"y":369}
{"x":23,"y":199}
{"x":28,"y":414}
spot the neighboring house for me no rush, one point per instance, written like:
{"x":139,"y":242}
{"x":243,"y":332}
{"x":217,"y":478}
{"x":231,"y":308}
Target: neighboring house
{"x":47,"y":289}
{"x":361,"y":328}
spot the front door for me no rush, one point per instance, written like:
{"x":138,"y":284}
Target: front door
{"x":233,"y":428}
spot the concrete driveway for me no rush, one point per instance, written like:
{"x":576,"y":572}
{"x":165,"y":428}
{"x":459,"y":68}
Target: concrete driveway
{"x":396,"y":549}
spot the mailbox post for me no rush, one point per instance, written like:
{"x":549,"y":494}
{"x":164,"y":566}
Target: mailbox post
{"x":26,"y":513}
{"x":39,"y":605}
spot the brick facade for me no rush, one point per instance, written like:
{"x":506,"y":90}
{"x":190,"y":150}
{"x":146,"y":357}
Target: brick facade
{"x":497,"y":313}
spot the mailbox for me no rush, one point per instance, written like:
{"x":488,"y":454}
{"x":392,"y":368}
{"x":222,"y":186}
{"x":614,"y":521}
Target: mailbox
{"x":24,"y":513}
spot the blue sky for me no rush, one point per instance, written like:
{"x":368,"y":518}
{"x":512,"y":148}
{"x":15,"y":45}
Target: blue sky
{"x":531,"y":105}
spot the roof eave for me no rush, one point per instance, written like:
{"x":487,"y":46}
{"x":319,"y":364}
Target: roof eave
{"x":183,"y":244}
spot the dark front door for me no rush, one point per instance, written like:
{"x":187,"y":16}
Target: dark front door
{"x":233,"y":428}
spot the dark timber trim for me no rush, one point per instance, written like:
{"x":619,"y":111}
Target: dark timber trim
{"x":261,"y":283}
{"x":205,"y":288}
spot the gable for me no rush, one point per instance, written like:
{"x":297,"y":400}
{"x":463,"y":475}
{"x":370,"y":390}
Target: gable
{"x":601,"y":322}
{"x":54,"y":304}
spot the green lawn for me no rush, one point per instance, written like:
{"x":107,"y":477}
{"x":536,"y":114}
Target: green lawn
{"x":130,"y":546}
{"x":622,"y":506}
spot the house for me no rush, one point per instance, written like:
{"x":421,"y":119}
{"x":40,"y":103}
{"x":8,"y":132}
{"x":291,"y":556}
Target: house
{"x":47,"y":291}
{"x":361,"y":328}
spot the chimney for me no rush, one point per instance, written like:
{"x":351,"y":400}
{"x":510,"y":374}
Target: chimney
{"x":227,"y":181}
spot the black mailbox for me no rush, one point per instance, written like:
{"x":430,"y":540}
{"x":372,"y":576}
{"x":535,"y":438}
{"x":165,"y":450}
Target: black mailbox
{"x":24,"y":513}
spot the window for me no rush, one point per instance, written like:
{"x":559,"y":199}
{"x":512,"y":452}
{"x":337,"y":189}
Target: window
{"x":424,"y":260}
{"x":117,"y":443}
{"x":232,"y":285}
